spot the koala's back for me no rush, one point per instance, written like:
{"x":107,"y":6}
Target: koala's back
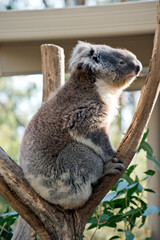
{"x":68,"y":110}
{"x":54,"y":164}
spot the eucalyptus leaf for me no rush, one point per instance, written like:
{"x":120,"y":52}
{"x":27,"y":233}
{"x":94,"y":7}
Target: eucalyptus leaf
{"x":132,"y":190}
{"x":147,"y":148}
{"x":110,"y":196}
{"x":104,"y":217}
{"x":140,"y":188}
{"x":133,"y":211}
{"x":122,"y":185}
{"x":150,"y":210}
{"x":93,"y":220}
{"x":149,"y":190}
{"x":143,"y":221}
{"x":128,"y":179}
{"x":9,"y":214}
{"x":145,"y":178}
{"x":154,"y":160}
{"x":130,"y":169}
{"x":132,"y":185}
{"x":114,"y":237}
{"x":116,"y":218}
{"x":150,"y":172}
{"x":129,"y":235}
{"x":143,"y":139}
{"x":92,"y":226}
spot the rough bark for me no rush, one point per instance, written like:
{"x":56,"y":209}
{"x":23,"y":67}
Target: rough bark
{"x":52,"y":222}
{"x":52,"y":58}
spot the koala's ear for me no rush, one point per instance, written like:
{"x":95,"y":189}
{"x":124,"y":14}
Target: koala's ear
{"x":80,"y":47}
{"x":81,"y":50}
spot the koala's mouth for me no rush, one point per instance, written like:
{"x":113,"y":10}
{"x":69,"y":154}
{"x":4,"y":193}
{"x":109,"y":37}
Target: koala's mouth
{"x":131,"y":76}
{"x":135,"y":74}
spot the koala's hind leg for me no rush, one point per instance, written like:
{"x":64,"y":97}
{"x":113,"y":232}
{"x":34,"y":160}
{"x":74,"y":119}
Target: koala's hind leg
{"x":114,"y":166}
{"x":77,"y":167}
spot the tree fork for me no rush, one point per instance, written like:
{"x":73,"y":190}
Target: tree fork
{"x":52,"y":222}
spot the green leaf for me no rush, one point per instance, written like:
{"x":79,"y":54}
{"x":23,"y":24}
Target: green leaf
{"x":149,"y":190}
{"x":109,"y":196}
{"x":128,"y":179}
{"x":104,"y":217}
{"x":118,"y":203}
{"x":129,"y":235}
{"x":150,"y":172}
{"x":9,"y":220}
{"x":147,"y":148}
{"x":143,"y":221}
{"x":116,"y":218}
{"x":130,"y":169}
{"x":111,"y":224}
{"x":133,"y":202}
{"x":108,"y":212}
{"x":143,"y":179}
{"x":115,"y":186}
{"x":150,"y":210}
{"x":154,"y":160}
{"x":9,"y":214}
{"x":122,"y":185}
{"x":114,"y":237}
{"x":120,"y":230}
{"x":92,"y":226}
{"x":132,"y":191}
{"x":140,"y":188}
{"x":143,"y":139}
{"x":143,"y":204}
{"x":133,"y":212}
{"x":93,"y":220}
{"x":132,"y":185}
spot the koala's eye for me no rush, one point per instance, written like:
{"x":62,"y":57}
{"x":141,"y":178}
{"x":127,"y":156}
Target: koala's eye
{"x":121,"y":63}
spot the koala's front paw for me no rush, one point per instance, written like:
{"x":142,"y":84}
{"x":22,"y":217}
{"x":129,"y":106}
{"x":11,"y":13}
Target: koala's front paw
{"x":114,"y":166}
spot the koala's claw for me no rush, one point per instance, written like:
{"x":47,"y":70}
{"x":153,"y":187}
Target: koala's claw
{"x":116,"y":160}
{"x":114,"y":166}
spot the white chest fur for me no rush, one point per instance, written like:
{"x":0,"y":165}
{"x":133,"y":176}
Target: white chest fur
{"x":110,"y":97}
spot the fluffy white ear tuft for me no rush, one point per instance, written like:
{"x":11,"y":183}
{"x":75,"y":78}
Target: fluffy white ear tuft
{"x":80,"y":50}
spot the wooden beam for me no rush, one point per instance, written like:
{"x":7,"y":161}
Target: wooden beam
{"x":68,"y":23}
{"x":23,"y":58}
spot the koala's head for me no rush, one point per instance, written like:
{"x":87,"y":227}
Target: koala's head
{"x":117,"y":67}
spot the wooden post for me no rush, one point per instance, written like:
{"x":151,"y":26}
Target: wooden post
{"x":52,"y":59}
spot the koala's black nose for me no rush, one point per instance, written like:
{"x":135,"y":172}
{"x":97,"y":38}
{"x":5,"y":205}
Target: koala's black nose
{"x":137,"y":69}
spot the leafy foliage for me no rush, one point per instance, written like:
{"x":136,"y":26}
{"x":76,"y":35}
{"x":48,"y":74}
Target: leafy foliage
{"x":124,"y":203}
{"x":6,"y":221}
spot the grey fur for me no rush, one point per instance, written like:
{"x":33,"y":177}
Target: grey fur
{"x":66,"y":146}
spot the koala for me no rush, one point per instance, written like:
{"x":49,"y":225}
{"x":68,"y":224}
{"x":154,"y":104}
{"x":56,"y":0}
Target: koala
{"x":66,"y":146}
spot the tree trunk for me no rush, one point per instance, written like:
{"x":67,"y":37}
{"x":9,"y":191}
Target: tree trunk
{"x":50,"y":221}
